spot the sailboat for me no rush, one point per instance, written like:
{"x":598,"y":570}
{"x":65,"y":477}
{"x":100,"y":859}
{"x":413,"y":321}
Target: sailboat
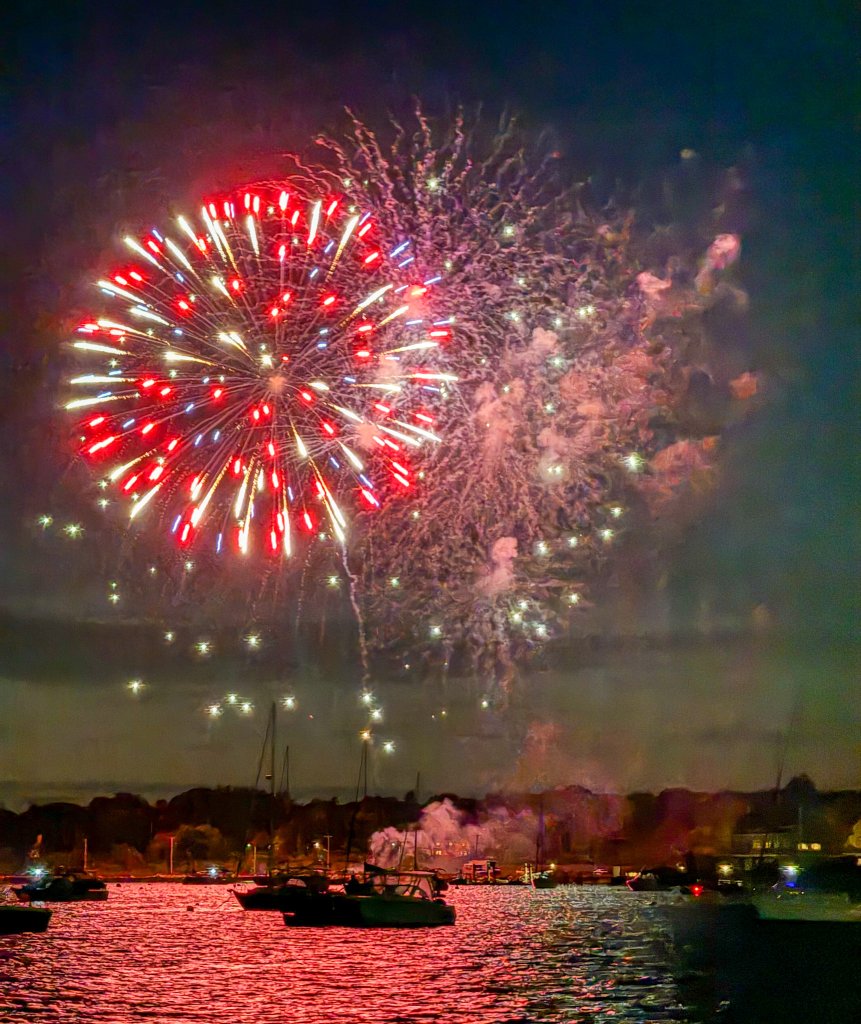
{"x":537,"y":875}
{"x":279,"y":890}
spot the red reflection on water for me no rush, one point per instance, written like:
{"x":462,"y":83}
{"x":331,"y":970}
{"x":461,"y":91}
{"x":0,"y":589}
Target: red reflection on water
{"x":168,"y":953}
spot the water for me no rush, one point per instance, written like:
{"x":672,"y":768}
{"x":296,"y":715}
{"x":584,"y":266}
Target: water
{"x":190,"y":955}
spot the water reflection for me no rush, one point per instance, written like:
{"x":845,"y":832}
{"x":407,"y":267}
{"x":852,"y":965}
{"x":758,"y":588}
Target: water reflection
{"x":191,"y":956}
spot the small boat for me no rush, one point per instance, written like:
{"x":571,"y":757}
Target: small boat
{"x":663,"y":879}
{"x":538,"y":879}
{"x":213,"y":876}
{"x":15,"y":920}
{"x":405,"y":899}
{"x":478,"y":872}
{"x":283,"y":894}
{"x":72,"y":886}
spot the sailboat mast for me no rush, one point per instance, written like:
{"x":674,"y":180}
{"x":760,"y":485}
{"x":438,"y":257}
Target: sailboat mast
{"x":539,"y":839}
{"x":272,"y":753}
{"x":362,"y":766}
{"x":272,"y":715}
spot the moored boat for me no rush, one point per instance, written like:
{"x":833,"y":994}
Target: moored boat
{"x":397,"y":900}
{"x":212,"y":876}
{"x":538,"y":879}
{"x":15,"y":920}
{"x":663,"y":879}
{"x":283,"y":894}
{"x":72,"y":886}
{"x":800,"y":905}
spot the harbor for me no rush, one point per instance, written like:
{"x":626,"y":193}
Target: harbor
{"x":570,"y":954}
{"x":429,"y":543}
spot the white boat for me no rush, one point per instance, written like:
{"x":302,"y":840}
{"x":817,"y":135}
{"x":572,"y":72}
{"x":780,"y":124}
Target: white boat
{"x":397,"y":899}
{"x":801,"y":905}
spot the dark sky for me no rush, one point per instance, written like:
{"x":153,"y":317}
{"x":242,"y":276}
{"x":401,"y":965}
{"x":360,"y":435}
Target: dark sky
{"x":112,"y":111}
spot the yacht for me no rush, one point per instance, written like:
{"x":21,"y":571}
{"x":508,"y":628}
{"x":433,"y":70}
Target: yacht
{"x":396,"y":899}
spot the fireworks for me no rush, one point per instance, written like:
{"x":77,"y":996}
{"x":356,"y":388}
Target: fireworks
{"x":287,"y":364}
{"x":250,"y":371}
{"x":565,"y":426}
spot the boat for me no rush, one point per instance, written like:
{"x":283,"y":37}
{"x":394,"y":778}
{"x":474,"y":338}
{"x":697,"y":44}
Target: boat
{"x":827,"y":890}
{"x":398,"y":899}
{"x":214,"y":876}
{"x":281,"y":894}
{"x":478,"y":872}
{"x":536,"y":874}
{"x":785,"y":904}
{"x":663,"y":879}
{"x":536,"y":878}
{"x":68,"y":887}
{"x":771,"y":969}
{"x":15,"y":920}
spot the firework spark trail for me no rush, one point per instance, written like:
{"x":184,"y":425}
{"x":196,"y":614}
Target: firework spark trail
{"x":364,"y":653}
{"x":566,"y":410}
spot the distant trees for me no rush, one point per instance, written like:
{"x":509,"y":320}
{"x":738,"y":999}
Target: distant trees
{"x":194,"y":843}
{"x":121,"y":819}
{"x":578,"y":825}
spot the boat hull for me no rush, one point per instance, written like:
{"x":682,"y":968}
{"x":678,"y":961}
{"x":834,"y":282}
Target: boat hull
{"x":336,"y":910}
{"x":18,"y":920}
{"x":272,"y":899}
{"x":58,"y":894}
{"x":280,"y":897}
{"x":772,"y":970}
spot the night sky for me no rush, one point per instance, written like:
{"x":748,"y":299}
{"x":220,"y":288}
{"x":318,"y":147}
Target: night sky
{"x":749,"y":646}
